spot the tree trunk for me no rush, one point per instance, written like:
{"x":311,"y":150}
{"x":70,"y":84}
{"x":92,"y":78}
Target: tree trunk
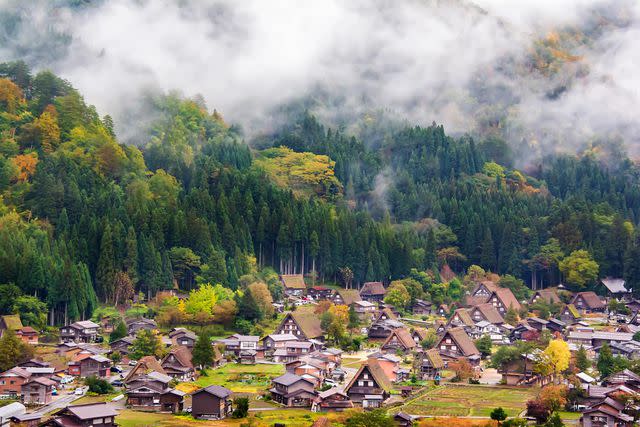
{"x":302,"y":260}
{"x":313,"y":269}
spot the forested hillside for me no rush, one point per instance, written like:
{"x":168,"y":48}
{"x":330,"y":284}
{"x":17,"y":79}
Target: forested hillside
{"x":86,"y":219}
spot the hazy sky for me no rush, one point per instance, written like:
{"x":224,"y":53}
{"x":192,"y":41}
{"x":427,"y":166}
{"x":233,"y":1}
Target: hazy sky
{"x":419,"y":59}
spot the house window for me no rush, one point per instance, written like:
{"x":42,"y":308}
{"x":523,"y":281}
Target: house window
{"x":107,"y":420}
{"x":443,"y":347}
{"x":98,"y":421}
{"x":448,"y":341}
{"x":454,"y":348}
{"x":361,"y":383}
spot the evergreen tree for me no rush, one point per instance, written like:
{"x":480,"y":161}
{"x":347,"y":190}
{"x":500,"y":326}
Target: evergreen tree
{"x":582,"y":361}
{"x":203,"y":352}
{"x":131,"y":258}
{"x":120,"y":331}
{"x":605,"y":361}
{"x":106,"y":270}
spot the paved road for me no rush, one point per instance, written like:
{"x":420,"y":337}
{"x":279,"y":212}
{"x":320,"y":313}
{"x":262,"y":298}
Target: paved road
{"x":61,"y":402}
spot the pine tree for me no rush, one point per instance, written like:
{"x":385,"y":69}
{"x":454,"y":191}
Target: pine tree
{"x":605,"y":362}
{"x":106,"y":270}
{"x":203,"y":352}
{"x":582,"y":361}
{"x":131,"y":258}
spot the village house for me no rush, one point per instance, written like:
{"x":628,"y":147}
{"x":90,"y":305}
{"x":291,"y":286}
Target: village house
{"x":480,"y":294}
{"x":400,"y":340}
{"x":615,"y":287}
{"x":588,"y":302}
{"x":90,"y":365}
{"x":384,"y":314}
{"x":454,"y":344}
{"x":273,"y":342}
{"x":293,"y":285}
{"x":151,"y":391}
{"x":332,"y":400}
{"x":293,"y":350}
{"x":236,"y":344}
{"x":419,"y":335}
{"x":84,"y":331}
{"x":88,"y":415}
{"x":177,"y":364}
{"x":428,"y":364}
{"x":460,"y":317}
{"x":483,"y":328}
{"x":487,"y":312}
{"x":293,"y":391}
{"x":443,"y":310}
{"x":346,"y":297}
{"x":364,"y":309}
{"x":37,"y":391}
{"x":569,"y":314}
{"x":590,"y":339}
{"x":383,"y":328}
{"x":11,"y":382}
{"x":421,"y":308}
{"x":369,"y":387}
{"x":607,"y":413}
{"x":213,"y":402}
{"x":503,"y":300}
{"x":135,"y":325}
{"x":182,"y":336}
{"x":548,"y":296}
{"x":390,"y":365}
{"x":28,"y":335}
{"x":304,"y":323}
{"x":373,"y":292}
{"x":122,"y":345}
{"x":521,"y":371}
{"x":320,"y":292}
{"x":10,"y":321}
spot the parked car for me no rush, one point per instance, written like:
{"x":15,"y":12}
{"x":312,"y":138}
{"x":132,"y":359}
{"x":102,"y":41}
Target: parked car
{"x":79,"y":391}
{"x":116,"y":369}
{"x":117,"y":383}
{"x":133,"y":363}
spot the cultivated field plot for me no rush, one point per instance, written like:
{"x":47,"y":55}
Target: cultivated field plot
{"x":468,"y":400}
{"x":242,"y":378}
{"x":288,"y":417}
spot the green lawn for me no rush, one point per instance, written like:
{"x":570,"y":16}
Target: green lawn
{"x":242,"y":378}
{"x":468,"y":400}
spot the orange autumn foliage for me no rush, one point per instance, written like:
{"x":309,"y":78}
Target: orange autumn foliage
{"x":26,"y":165}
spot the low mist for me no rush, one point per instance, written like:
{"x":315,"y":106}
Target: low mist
{"x":544,"y":75}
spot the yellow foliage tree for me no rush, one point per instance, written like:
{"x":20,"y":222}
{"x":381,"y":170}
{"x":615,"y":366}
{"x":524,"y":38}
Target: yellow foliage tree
{"x":554,"y":359}
{"x":340,"y":313}
{"x":11,"y":96}
{"x":47,"y":125}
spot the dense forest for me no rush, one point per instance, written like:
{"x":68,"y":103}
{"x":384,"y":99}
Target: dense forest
{"x":86,"y":219}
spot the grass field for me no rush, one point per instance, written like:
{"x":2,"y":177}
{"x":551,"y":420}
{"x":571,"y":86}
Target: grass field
{"x":242,"y":378}
{"x":288,"y":417}
{"x":468,"y":400}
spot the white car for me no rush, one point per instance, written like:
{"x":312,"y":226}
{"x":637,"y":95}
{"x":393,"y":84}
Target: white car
{"x":79,"y":391}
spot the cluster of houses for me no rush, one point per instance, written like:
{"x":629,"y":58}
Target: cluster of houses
{"x":314,"y":377}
